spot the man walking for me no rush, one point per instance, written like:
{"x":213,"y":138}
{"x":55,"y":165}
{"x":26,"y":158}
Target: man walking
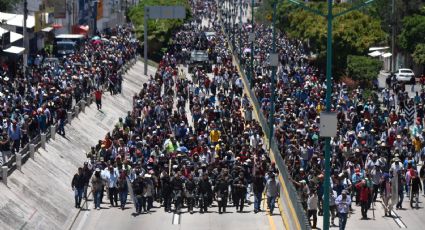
{"x":415,"y":187}
{"x":239,"y":185}
{"x":365,"y":192}
{"x":343,"y":203}
{"x":205,"y":191}
{"x":97,"y":188}
{"x":222,"y":193}
{"x":386,"y":194}
{"x":111,"y":176}
{"x":312,"y":207}
{"x":138,"y":192}
{"x":77,"y":185}
{"x":190,"y":187}
{"x":272,"y":191}
{"x":258,"y":187}
{"x":98,"y":97}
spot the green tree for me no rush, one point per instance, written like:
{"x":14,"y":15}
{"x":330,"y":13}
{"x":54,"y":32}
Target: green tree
{"x":363,"y":69}
{"x":419,"y":54}
{"x":413,"y":32}
{"x":7,"y":5}
{"x":159,"y":31}
{"x":353,"y":33}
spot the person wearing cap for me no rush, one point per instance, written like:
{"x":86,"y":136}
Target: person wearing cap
{"x":416,"y":186}
{"x":343,"y":203}
{"x":386,"y":194}
{"x":332,"y":205}
{"x":97,"y":184}
{"x":312,"y":205}
{"x":365,"y":193}
{"x":356,"y":178}
{"x":397,"y":182}
{"x":148,"y":191}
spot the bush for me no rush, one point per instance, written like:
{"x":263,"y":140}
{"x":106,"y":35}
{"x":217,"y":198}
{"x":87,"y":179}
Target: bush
{"x":363,"y":69}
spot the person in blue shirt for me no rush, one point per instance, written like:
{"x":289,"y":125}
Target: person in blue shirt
{"x":14,"y":133}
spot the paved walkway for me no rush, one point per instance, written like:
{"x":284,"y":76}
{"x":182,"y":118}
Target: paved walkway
{"x":40,"y":196}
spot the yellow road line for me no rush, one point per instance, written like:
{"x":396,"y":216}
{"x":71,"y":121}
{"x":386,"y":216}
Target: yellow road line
{"x":291,"y":208}
{"x":269,"y":217}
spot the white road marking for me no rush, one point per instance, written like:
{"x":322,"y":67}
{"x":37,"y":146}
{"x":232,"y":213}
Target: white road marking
{"x":176,"y":219}
{"x":398,"y":220}
{"x":85,"y":216}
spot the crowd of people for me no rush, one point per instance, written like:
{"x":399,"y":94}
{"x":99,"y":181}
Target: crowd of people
{"x":33,"y":101}
{"x":190,"y":140}
{"x":380,"y":142}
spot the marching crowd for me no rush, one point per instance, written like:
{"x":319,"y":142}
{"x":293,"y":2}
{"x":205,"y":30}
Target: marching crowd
{"x":380,"y":142}
{"x":31,"y":102}
{"x":189,"y":141}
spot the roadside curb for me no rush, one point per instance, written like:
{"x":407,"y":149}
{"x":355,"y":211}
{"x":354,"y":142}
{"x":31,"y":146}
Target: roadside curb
{"x":74,"y":218}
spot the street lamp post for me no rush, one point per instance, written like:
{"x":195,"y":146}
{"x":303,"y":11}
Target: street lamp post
{"x":272,"y":87}
{"x":252,"y":45}
{"x":329,"y":17}
{"x":95,"y":2}
{"x":240,"y":29}
{"x":233,"y":27}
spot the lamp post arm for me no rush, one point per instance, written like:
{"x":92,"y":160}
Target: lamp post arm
{"x":354,"y":8}
{"x":304,"y":6}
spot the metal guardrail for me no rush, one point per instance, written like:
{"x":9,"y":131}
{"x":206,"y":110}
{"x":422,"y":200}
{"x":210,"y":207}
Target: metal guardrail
{"x":36,"y":141}
{"x":280,"y":163}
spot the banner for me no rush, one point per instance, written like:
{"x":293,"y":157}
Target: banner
{"x":59,"y":8}
{"x":99,"y":9}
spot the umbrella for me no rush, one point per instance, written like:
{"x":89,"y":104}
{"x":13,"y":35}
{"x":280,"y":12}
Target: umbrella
{"x":57,"y":26}
{"x":182,"y":149}
{"x":96,"y":42}
{"x":104,"y":39}
{"x":95,"y":38}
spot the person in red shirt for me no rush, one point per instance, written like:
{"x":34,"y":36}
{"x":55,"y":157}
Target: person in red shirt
{"x":364,"y":197}
{"x":98,"y":96}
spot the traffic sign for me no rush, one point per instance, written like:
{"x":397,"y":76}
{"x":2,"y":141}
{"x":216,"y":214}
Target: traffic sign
{"x":166,"y":12}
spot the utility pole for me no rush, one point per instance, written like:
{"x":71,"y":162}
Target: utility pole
{"x":393,"y":28}
{"x":25,"y":36}
{"x":252,"y":38}
{"x":273,"y":80}
{"x":145,"y":40}
{"x":240,"y":28}
{"x":95,"y":17}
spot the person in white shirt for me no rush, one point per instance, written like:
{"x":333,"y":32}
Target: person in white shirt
{"x":343,"y":203}
{"x":312,"y":202}
{"x":272,"y":191}
{"x":111,"y":176}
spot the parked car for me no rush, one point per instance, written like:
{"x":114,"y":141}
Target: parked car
{"x":199,"y":59}
{"x":405,"y":75}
